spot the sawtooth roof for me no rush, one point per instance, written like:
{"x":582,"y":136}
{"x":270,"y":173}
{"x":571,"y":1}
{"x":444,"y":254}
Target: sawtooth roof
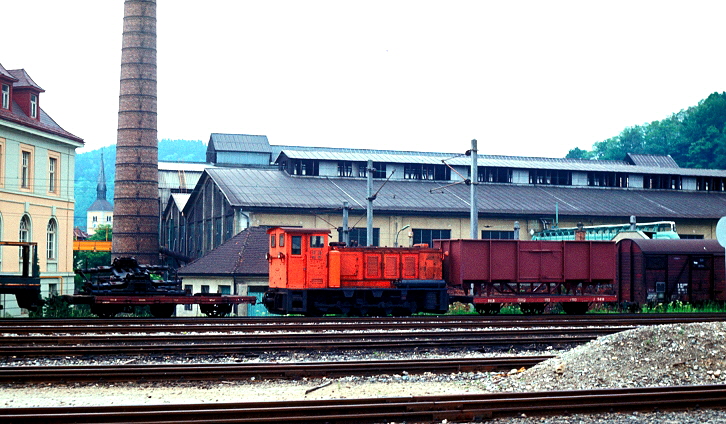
{"x":273,"y":190}
{"x":243,"y":254}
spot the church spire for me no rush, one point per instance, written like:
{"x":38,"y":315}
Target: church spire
{"x":101,"y":186}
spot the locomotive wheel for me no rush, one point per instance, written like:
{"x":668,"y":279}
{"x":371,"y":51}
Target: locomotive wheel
{"x":489,"y":309}
{"x":216,"y":310}
{"x":575,"y":308}
{"x":163,"y":310}
{"x":533,"y":308}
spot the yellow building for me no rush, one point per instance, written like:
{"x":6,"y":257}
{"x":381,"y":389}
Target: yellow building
{"x":37,"y":160}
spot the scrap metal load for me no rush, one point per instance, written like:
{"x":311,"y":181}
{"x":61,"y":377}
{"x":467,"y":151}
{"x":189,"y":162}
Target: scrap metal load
{"x":126,"y":283}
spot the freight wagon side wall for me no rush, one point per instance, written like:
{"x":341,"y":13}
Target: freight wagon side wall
{"x":527,"y":261}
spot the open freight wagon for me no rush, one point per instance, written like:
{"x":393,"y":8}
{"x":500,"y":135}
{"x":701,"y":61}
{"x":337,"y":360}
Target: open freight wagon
{"x":489,"y":273}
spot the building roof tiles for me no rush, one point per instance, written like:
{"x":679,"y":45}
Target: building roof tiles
{"x":243,"y":254}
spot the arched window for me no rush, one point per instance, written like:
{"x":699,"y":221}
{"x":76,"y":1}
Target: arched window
{"x":24,"y":234}
{"x":52,"y":239}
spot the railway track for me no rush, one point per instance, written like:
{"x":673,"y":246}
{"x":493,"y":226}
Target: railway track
{"x":413,"y":409}
{"x":258,"y":371}
{"x":231,"y":343}
{"x":253,"y":324}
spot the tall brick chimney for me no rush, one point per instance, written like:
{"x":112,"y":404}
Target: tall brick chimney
{"x":136,"y":198}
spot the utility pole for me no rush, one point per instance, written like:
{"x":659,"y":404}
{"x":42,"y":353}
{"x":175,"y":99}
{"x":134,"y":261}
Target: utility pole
{"x":474,"y":214}
{"x":369,"y":209}
{"x":346,"y":230}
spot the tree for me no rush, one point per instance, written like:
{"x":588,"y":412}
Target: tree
{"x":578,"y":153}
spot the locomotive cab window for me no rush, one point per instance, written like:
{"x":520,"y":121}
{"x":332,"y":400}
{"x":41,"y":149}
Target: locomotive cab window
{"x":272,"y":240}
{"x":296,"y":246}
{"x":282,"y":240}
{"x":317,"y":241}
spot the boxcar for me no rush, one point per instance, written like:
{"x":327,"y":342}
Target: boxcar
{"x":662,"y":271}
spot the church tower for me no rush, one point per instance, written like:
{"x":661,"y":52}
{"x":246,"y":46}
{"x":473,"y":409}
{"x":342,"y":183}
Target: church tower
{"x":101,"y":211}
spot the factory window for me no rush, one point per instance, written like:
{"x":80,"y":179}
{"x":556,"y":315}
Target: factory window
{"x":6,"y":96}
{"x":490,"y":174}
{"x":497,"y":235}
{"x":224,"y":289}
{"x":52,"y":240}
{"x":307,"y":167}
{"x":662,"y":182}
{"x":710,"y":183}
{"x":33,"y":106}
{"x":205,"y":289}
{"x":379,"y":170}
{"x":428,"y":236}
{"x":345,"y":169}
{"x":359,"y":236}
{"x":53,"y":289}
{"x":550,"y":177}
{"x":607,"y":179}
{"x":691,"y":236}
{"x":296,"y":245}
{"x":417,"y":171}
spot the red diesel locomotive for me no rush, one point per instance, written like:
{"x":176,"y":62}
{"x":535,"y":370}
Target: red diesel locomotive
{"x":312,"y":277}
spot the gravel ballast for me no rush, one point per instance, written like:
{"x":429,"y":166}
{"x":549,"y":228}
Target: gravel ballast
{"x":666,"y":355}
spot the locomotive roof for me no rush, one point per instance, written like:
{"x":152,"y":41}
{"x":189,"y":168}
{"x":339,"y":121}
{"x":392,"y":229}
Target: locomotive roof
{"x":299,"y":230}
{"x":683,"y":246}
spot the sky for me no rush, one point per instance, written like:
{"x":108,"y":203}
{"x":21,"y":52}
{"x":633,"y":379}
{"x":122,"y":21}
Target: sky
{"x":524,"y":78}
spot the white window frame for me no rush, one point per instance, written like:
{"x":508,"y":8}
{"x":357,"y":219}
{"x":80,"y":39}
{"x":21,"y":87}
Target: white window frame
{"x":6,"y":96}
{"x":33,"y":106}
{"x":52,"y":240}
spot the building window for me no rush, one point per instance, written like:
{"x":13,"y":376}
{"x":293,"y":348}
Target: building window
{"x":345,"y":169}
{"x":691,"y":236}
{"x":225,"y":289}
{"x":359,"y":236}
{"x":52,"y":240}
{"x":26,"y":169}
{"x":52,"y":174}
{"x":33,"y":106}
{"x":497,"y":235}
{"x":488,"y":174}
{"x":188,"y":288}
{"x":108,"y":219}
{"x":379,"y":170}
{"x":6,"y":96}
{"x":24,"y":233}
{"x":53,"y":289}
{"x":426,"y":172}
{"x":307,"y":167}
{"x":205,"y":289}
{"x":94,"y":218}
{"x":428,"y":236}
{"x":662,"y":182}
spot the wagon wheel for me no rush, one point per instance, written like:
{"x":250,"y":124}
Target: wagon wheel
{"x":162,"y":310}
{"x":532,"y":308}
{"x":216,"y":310}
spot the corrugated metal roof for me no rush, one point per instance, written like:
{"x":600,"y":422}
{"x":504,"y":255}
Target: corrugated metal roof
{"x":239,"y":143}
{"x":653,"y":164}
{"x":653,"y":160}
{"x":270,"y":189}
